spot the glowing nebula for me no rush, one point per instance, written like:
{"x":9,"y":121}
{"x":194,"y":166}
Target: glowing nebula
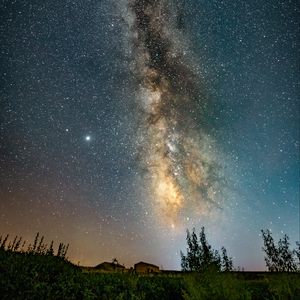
{"x":175,"y":147}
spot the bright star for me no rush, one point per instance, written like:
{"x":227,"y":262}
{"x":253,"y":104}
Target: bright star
{"x":88,"y":138}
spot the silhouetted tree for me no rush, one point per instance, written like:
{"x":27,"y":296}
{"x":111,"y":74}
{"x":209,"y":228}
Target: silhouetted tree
{"x":278,"y":258}
{"x":272,"y":258}
{"x":35,"y":242}
{"x":39,"y":248}
{"x":22,"y":247}
{"x":227,"y":263}
{"x":64,"y":251}
{"x":59,"y":250}
{"x":210,"y":257}
{"x":12,"y":246}
{"x":4,"y":242}
{"x":297,"y":253}
{"x":200,"y":255}
{"x":191,"y":262}
{"x":286,"y":256}
{"x":50,"y":251}
{"x":17,"y":244}
{"x":29,"y":248}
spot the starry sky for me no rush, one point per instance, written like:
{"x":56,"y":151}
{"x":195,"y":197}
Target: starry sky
{"x":123,"y":123}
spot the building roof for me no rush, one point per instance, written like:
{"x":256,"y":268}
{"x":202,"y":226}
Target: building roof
{"x":110,"y":264}
{"x":144,"y":263}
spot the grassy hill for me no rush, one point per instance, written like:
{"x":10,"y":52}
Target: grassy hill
{"x":34,"y":276}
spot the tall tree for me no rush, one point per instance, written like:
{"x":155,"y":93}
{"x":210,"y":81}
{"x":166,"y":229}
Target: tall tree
{"x":227,"y":263}
{"x":272,"y":254}
{"x":297,"y":253}
{"x":286,"y":256}
{"x":199,"y":254}
{"x":278,"y":258}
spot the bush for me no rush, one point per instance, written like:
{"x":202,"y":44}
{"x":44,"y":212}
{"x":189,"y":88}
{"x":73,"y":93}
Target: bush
{"x":214,"y":285}
{"x":32,"y":276}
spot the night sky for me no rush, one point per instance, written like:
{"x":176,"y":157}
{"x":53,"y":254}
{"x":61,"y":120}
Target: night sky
{"x":125,"y":122}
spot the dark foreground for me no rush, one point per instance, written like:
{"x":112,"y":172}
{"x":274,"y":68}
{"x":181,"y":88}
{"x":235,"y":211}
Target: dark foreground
{"x":30,"y":276}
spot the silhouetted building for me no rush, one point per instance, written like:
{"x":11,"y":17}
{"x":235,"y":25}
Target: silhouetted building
{"x":145,"y":268}
{"x":110,"y":267}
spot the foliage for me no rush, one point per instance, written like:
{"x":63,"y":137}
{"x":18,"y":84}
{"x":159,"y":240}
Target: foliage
{"x":297,"y":253}
{"x":279,"y":258}
{"x":284,"y":286}
{"x":160,"y":287}
{"x":227,"y":263}
{"x":214,"y":285}
{"x":31,"y":276}
{"x":36,"y":273}
{"x":37,"y":247}
{"x":275,"y":285}
{"x":201,"y":257}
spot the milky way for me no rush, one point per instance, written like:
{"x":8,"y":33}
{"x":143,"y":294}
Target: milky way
{"x":175,"y":147}
{"x":125,"y":122}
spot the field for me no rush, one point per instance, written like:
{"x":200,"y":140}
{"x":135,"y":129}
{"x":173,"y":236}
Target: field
{"x":31,"y":276}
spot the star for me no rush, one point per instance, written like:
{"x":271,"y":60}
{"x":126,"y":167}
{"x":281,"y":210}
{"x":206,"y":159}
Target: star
{"x":153,"y":130}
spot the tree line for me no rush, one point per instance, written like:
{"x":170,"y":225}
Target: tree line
{"x":200,"y":256}
{"x":38,"y":247}
{"x":280,"y":258}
